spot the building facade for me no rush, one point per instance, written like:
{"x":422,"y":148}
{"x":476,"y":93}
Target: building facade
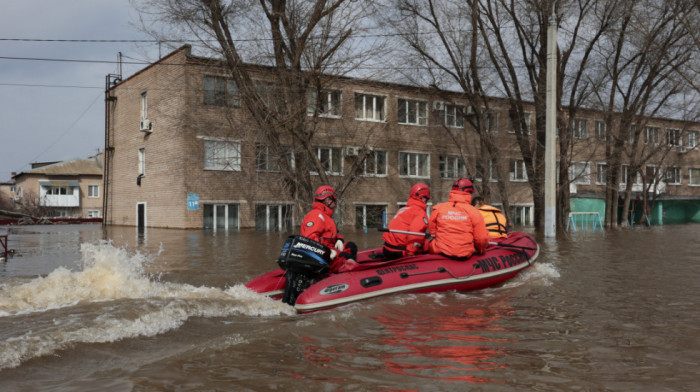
{"x":182,"y":152}
{"x":71,"y":189}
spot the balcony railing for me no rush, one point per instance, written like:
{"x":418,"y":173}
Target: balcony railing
{"x":60,"y":201}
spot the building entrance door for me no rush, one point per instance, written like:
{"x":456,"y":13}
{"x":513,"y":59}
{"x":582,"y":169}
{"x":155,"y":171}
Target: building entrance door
{"x":141,"y":215}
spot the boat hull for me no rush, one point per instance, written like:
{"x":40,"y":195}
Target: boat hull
{"x":415,"y":274}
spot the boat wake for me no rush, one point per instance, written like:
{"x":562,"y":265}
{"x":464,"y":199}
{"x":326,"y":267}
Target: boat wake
{"x":109,"y":298}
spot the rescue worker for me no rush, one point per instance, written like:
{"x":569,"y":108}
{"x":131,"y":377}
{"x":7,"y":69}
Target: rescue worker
{"x":413,"y":218}
{"x":495,"y":221}
{"x":319,"y":226}
{"x":458,"y":228}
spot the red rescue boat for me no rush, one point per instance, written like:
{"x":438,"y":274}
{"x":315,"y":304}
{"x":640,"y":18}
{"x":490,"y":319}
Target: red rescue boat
{"x":376,"y":277}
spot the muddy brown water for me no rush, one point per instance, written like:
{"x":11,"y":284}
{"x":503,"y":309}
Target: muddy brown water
{"x":87,"y":308}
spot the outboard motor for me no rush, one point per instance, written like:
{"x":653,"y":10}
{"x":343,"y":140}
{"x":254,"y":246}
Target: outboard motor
{"x":305,"y":262}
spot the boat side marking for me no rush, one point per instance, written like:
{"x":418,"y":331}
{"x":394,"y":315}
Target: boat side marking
{"x":410,"y":287}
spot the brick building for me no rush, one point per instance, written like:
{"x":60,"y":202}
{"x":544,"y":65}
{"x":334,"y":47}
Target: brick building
{"x":60,"y":189}
{"x":181,"y":152}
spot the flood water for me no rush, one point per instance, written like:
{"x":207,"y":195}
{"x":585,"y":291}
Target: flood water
{"x":166,"y":310}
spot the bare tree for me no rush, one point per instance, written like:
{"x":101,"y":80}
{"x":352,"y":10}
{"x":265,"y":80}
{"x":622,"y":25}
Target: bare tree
{"x":641,"y":56}
{"x":302,"y":46}
{"x":448,"y":46}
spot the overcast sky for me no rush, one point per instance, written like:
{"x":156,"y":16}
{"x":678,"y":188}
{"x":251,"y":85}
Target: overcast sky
{"x":54,"y":110}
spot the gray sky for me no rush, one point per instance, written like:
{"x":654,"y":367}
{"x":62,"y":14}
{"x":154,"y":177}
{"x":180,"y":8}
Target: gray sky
{"x":42,"y":118}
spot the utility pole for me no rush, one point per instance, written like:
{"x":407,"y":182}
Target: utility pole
{"x":550,"y":161}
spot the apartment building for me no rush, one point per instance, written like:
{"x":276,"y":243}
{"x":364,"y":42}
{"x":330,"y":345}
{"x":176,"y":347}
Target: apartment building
{"x":181,"y":152}
{"x":70,"y":189}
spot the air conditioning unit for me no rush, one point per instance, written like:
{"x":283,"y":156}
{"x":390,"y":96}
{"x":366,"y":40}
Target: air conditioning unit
{"x":146,"y":125}
{"x":17,"y":198}
{"x":438,"y":105}
{"x":682,"y":150}
{"x":351,"y":151}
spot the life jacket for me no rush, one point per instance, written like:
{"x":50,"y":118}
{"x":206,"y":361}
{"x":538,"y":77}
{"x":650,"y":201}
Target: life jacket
{"x":458,"y":227}
{"x":320,"y":226}
{"x":495,"y":221}
{"x":412,"y":218}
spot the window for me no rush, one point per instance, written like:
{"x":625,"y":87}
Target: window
{"x":521,"y":215}
{"x":480,"y":172}
{"x":601,"y":173}
{"x":144,"y":106}
{"x":492,"y":171}
{"x":600,"y":130}
{"x":673,"y":176}
{"x":413,"y":112}
{"x":651,"y":173}
{"x":511,"y":126}
{"x":265,"y":160}
{"x":694,"y":176}
{"x":221,"y":154}
{"x":651,"y":135}
{"x":625,"y":173}
{"x":414,"y":165}
{"x":580,"y":129}
{"x":452,"y":167}
{"x":93,"y":191}
{"x":328,"y":103}
{"x":221,"y":92}
{"x":491,"y":122}
{"x":93,"y":213}
{"x":331,"y":159}
{"x":274,"y":217}
{"x":517,"y":170}
{"x":631,"y":134}
{"x":142,"y":162}
{"x":375,"y":164}
{"x":580,"y":173}
{"x":370,"y":107}
{"x":692,"y":139}
{"x":59,"y":190}
{"x":674,"y":137}
{"x":270,"y":93}
{"x":370,"y":215}
{"x":220,"y":217}
{"x":452,"y":115}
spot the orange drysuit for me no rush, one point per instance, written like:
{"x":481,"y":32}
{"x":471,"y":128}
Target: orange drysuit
{"x":413,"y":218}
{"x":319,"y":226}
{"x":458,"y":227}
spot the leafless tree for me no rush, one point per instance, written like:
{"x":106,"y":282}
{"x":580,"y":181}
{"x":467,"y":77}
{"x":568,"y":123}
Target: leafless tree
{"x":303,"y":45}
{"x":641,"y":56}
{"x":443,"y":39}
{"x":497,"y":48}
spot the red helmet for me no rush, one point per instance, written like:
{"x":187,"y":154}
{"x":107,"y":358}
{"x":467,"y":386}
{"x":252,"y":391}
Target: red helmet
{"x":323,"y":192}
{"x":419,"y":191}
{"x":464,"y":185}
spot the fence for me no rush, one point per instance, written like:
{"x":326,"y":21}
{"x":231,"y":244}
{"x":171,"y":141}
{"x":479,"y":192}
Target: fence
{"x":585,"y":220}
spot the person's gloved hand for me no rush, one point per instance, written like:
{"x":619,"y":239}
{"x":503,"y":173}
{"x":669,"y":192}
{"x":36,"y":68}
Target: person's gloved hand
{"x":339,"y":245}
{"x":333,"y":254}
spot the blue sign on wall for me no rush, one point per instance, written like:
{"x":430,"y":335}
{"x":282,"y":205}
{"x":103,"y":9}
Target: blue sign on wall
{"x":193,"y":201}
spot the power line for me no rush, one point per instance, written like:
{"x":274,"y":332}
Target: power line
{"x":47,"y":85}
{"x":68,"y":129}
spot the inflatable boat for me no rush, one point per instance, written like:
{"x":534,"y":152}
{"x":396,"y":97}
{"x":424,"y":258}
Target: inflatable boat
{"x":305,"y":282}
